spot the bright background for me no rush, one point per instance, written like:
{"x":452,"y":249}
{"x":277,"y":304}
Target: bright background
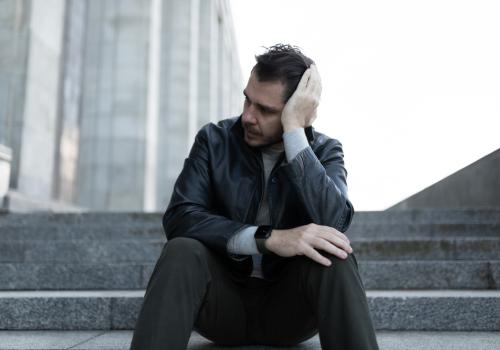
{"x":410,"y":88}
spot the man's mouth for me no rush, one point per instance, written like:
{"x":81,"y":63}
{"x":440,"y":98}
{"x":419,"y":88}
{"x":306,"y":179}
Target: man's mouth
{"x":251,"y":132}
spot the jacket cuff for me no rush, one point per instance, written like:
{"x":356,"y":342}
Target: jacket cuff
{"x":294,"y":141}
{"x":242,"y":243}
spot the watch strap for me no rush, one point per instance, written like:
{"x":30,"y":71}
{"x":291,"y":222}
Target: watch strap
{"x":261,"y":235}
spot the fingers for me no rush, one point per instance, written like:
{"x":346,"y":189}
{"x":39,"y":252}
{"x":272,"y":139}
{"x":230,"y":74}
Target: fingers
{"x":338,"y":249}
{"x":304,"y":80}
{"x":310,"y":82}
{"x":333,"y":241}
{"x":331,"y":232}
{"x":314,"y":84}
{"x":312,"y":253}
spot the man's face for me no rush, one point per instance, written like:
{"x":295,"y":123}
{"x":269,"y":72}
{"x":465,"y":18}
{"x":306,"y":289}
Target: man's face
{"x":261,"y":117}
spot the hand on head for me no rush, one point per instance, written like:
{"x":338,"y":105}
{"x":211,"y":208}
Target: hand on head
{"x":300,"y":111}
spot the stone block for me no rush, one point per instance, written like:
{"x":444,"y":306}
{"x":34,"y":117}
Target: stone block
{"x":425,"y":274}
{"x":430,"y":229}
{"x":435,"y":310}
{"x":54,"y":312}
{"x":427,"y":249}
{"x":422,"y":216}
{"x":43,"y":340}
{"x":124,"y":312}
{"x":81,"y":251}
{"x":71,"y":276}
{"x":390,"y":310}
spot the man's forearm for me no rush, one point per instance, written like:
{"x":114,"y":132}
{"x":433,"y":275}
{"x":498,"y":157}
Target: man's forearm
{"x":326,"y":199}
{"x":294,"y":141}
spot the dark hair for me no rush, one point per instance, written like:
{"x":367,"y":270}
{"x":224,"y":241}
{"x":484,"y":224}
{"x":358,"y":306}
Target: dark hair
{"x":284,"y":63}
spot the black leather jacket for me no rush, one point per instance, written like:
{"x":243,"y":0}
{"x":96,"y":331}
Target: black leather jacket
{"x":220,"y":187}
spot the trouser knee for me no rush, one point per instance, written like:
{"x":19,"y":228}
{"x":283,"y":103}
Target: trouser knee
{"x":181,"y":256}
{"x":339,"y":270}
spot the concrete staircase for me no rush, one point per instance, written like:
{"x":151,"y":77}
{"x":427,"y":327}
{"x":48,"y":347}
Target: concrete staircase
{"x":77,"y":280}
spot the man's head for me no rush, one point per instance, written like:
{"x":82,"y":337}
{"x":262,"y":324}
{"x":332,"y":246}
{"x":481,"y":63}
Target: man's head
{"x":273,"y":80}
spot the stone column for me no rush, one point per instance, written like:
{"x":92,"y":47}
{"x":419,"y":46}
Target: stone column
{"x":68,"y":128}
{"x":230,"y":88}
{"x":14,"y":34}
{"x":178,"y":92}
{"x":14,"y":48}
{"x":36,"y":166}
{"x":150,"y":170}
{"x":5,"y":159}
{"x":207,"y":67}
{"x":114,"y":110}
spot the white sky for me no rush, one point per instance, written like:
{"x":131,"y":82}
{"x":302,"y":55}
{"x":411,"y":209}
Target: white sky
{"x":410,"y":88}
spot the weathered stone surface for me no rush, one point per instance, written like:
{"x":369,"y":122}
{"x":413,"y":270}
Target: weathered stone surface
{"x":428,"y":249}
{"x":49,"y":276}
{"x":67,"y":251}
{"x":87,"y":218}
{"x":403,"y":258}
{"x":435,"y":310}
{"x":81,"y":231}
{"x":54,"y":312}
{"x":124,"y":312}
{"x":422,"y":216}
{"x":147,"y":250}
{"x":120,"y":340}
{"x":391,"y":310}
{"x":411,"y":274}
{"x":426,"y":275}
{"x":38,"y":340}
{"x":379,"y":230}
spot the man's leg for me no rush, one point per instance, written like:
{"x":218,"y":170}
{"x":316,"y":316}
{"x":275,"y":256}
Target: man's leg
{"x":331,"y":299}
{"x":189,"y":284}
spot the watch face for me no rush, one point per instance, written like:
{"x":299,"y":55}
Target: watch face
{"x":263,"y":231}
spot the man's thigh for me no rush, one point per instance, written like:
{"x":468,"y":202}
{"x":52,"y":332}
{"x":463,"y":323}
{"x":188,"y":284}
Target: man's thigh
{"x":222,"y":315}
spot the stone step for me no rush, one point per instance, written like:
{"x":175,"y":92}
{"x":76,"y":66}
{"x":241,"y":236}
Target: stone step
{"x":147,"y":250}
{"x":424,"y":216}
{"x":120,"y":340}
{"x":424,"y":230}
{"x":99,"y":225}
{"x":88,"y":232}
{"x":155,"y":231}
{"x":443,"y":310}
{"x":411,"y":274}
{"x":443,"y":216}
{"x":88,"y":218}
{"x":463,"y":248}
{"x":67,"y":251}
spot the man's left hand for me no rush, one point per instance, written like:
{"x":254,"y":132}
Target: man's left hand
{"x":300,"y":109}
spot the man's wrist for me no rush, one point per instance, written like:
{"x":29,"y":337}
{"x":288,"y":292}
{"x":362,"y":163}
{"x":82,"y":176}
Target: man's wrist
{"x":290,"y":126}
{"x":261,"y":236}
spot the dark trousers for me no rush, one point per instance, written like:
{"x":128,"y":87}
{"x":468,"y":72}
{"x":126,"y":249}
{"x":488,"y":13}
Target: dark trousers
{"x":191,"y":288}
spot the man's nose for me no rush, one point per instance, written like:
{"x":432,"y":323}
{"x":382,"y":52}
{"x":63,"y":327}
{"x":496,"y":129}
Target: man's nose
{"x":248,"y":115}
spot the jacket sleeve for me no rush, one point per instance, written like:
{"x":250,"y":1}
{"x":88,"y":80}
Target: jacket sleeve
{"x":191,"y":211}
{"x":322,"y":186}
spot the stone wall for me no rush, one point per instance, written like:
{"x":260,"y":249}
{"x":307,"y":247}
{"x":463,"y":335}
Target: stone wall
{"x":475,"y":186}
{"x":101,"y":100}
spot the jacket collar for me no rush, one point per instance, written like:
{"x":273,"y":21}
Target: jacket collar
{"x":237,"y":128}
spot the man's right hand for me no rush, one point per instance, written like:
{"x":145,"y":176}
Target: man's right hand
{"x":304,"y":240}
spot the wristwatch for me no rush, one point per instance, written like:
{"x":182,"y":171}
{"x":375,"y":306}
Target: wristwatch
{"x":263,"y":232}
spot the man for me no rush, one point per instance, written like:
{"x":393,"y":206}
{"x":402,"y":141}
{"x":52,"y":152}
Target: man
{"x":255,"y":251}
